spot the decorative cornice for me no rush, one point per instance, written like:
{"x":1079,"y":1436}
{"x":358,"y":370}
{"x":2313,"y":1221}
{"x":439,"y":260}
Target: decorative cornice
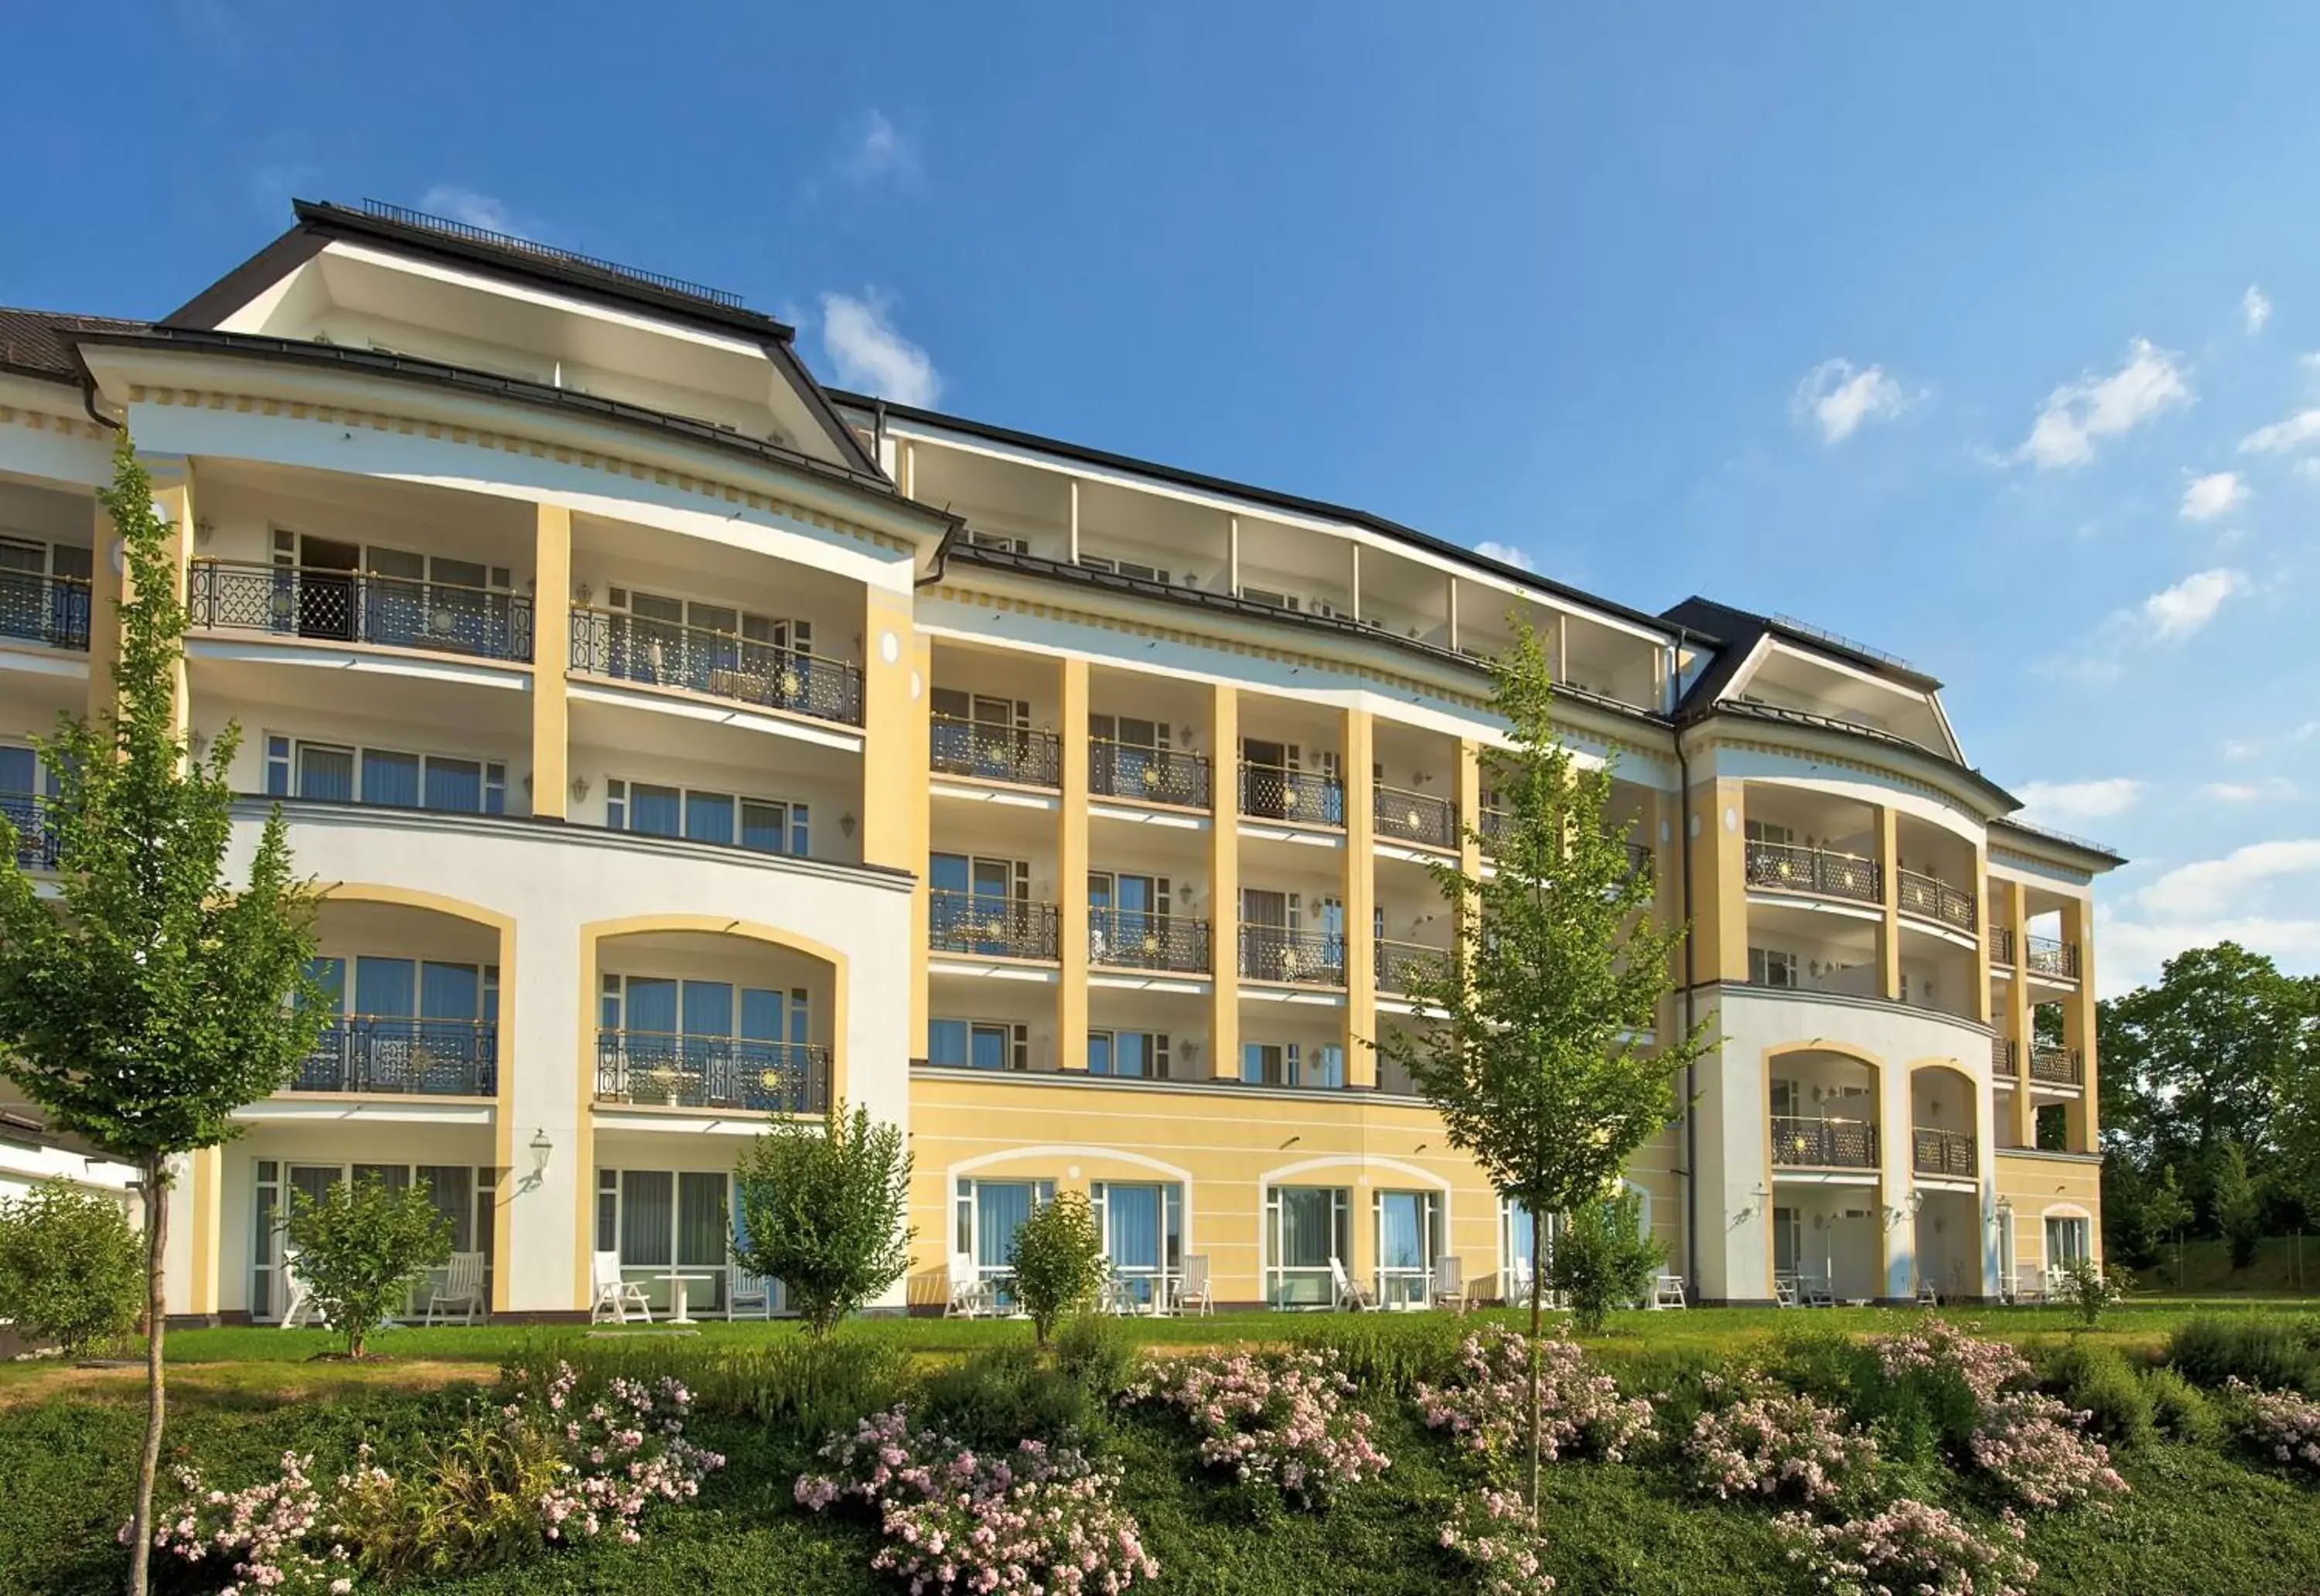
{"x":1918,"y":784}
{"x":41,"y":420}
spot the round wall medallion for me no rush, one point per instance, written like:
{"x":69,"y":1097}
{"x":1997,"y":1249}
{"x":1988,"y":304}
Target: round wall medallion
{"x":917,"y":685}
{"x":890,"y":646}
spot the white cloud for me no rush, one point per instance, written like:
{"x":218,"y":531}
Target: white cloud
{"x":2272,"y":788}
{"x":2231,"y":885}
{"x":2249,"y":747}
{"x":1506,"y":554}
{"x":457,"y":203}
{"x":2309,"y":469}
{"x":2255,"y":310}
{"x":2283,"y":437}
{"x":1838,"y":397}
{"x":2132,"y":951}
{"x":878,"y":150}
{"x":2217,"y":494}
{"x":2259,"y":896}
{"x":2078,"y":414}
{"x":2079,"y":800}
{"x":869,"y":354}
{"x":2182,"y":610}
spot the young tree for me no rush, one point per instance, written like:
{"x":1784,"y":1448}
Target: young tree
{"x":1059,"y":1260}
{"x":2239,"y":1207}
{"x":71,"y":1271}
{"x":360,"y":1246}
{"x":1533,"y":1057}
{"x":822,"y":1211}
{"x":1603,"y":1258}
{"x":152,"y":999}
{"x":2166,"y":1212}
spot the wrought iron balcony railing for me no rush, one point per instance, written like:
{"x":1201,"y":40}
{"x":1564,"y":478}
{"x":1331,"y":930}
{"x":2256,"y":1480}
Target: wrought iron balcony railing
{"x":1307,"y":958}
{"x":1787,"y":867}
{"x":1930,"y":898}
{"x":393,"y":1053}
{"x":1396,"y":961}
{"x":1401,"y":815}
{"x":2001,"y":1057}
{"x":991,"y":925}
{"x":36,"y":843}
{"x":2057,"y":1067}
{"x":1823,"y":1144}
{"x":1493,"y":823}
{"x":360,"y":607}
{"x":1306,"y":796}
{"x":1943,"y":1152}
{"x":995,"y":753}
{"x":719,"y":663}
{"x":696,"y":1071}
{"x":1133,"y":940}
{"x":2047,"y":957}
{"x":1151,"y":775}
{"x":2001,"y":945}
{"x":51,"y":610}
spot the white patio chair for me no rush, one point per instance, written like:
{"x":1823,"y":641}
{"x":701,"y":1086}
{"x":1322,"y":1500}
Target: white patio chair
{"x":1517,"y":1283}
{"x":747,"y":1295}
{"x":971,"y":1296}
{"x":1927,"y":1296}
{"x":1350,"y":1296}
{"x":300,"y":1310}
{"x":1784,"y":1290}
{"x":1192,"y":1293}
{"x":613,"y":1297}
{"x":1667,"y":1291}
{"x":2029,"y":1283}
{"x":1816,"y":1291}
{"x":1450,"y":1284}
{"x":461,"y":1288}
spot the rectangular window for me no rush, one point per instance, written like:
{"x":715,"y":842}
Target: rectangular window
{"x":326,"y":772}
{"x":616,"y":805}
{"x":277,"y":768}
{"x":1134,"y":1054}
{"x":657,"y":812}
{"x":390,"y":779}
{"x":709,"y":817}
{"x":978,"y":1044}
{"x":2066,"y":1241}
{"x":1307,"y":1236}
{"x":1771,"y":967}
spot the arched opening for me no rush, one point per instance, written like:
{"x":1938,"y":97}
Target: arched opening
{"x":1822,"y":1136}
{"x":1944,"y":1165}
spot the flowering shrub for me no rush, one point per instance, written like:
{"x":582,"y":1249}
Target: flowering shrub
{"x":1909,"y":1549}
{"x":1491,"y":1530}
{"x":536,"y":1471}
{"x":1279,"y":1420}
{"x":2283,"y":1424}
{"x":2035,"y":1445}
{"x":1772,"y":1443}
{"x":1039,"y":1522}
{"x":1938,"y":1347}
{"x":1487,"y":1407}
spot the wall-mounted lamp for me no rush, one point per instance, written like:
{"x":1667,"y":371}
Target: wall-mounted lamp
{"x":579,"y":787}
{"x":540,"y":1149}
{"x":1758,"y":1197}
{"x":583,"y":592}
{"x":846,"y":822}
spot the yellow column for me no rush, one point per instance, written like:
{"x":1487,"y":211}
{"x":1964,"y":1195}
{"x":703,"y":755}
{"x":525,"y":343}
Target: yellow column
{"x":894,"y":770}
{"x":1719,"y":881}
{"x":1470,"y":808}
{"x":1071,"y":870}
{"x":206,"y":1187}
{"x":173,"y":490}
{"x":1224,"y":882}
{"x":2018,"y":1013}
{"x":1361,"y":900}
{"x":2079,"y":1025}
{"x":552,"y":654}
{"x":1979,"y":888}
{"x":1888,"y":876}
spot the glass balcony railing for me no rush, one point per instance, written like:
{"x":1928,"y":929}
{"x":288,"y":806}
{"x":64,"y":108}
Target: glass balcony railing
{"x":1814,"y":1143}
{"x":1132,"y":940}
{"x":717,"y":663}
{"x":1150,"y":775}
{"x":710,"y":1071}
{"x":988,"y":924}
{"x":359,"y":607}
{"x":995,"y":753}
{"x":399,"y":1055}
{"x":38,"y":609}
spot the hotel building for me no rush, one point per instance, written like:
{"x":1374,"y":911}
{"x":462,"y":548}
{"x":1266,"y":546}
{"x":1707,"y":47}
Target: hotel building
{"x":678,"y":744}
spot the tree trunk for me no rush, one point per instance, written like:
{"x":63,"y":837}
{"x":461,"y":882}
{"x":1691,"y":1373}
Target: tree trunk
{"x":156,"y":1175}
{"x":1537,"y":1304}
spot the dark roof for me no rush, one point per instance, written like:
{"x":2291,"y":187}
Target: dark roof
{"x":39,"y":343}
{"x":1741,"y":629}
{"x":519,"y":260}
{"x":1316,"y":508}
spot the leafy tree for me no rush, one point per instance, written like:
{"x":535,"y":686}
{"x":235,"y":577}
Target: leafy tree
{"x":361,"y":1247}
{"x":1532,"y":1057}
{"x":2239,"y":1208}
{"x":2092,"y":1288}
{"x":2166,"y":1212}
{"x":822,"y":1211}
{"x":1059,"y":1260}
{"x":152,"y":999}
{"x":71,"y":1270}
{"x":1603,"y":1259}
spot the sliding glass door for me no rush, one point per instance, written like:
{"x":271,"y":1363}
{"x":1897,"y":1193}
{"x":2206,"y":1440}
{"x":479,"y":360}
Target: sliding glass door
{"x":1307,"y":1230}
{"x":666,"y":1223}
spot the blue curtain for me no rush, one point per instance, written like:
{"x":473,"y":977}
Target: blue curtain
{"x":1134,"y":1214}
{"x":1401,"y":1230}
{"x":709,"y":817}
{"x":449,"y":992}
{"x":384,"y":986}
{"x":652,"y":1004}
{"x":762,"y":828}
{"x":946,"y":1042}
{"x":989,"y":1045}
{"x":1309,"y":1231}
{"x":648,"y":1217}
{"x":708,"y":1009}
{"x":1100,"y":1056}
{"x":456,"y":784}
{"x":1001,"y":1207}
{"x":761,"y":1014}
{"x":390,"y":778}
{"x":655,"y":810}
{"x":18,"y":771}
{"x":326,"y":772}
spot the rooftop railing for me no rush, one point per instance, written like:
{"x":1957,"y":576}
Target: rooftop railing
{"x":1787,"y":868}
{"x":398,"y":1055}
{"x":359,"y":607}
{"x":995,"y":753}
{"x":1308,"y":797}
{"x":1930,"y":898}
{"x":1148,"y":775}
{"x":1134,"y":939}
{"x":990,"y":925}
{"x":1814,"y":1143}
{"x":717,"y":663}
{"x":51,"y":610}
{"x":704,"y":1072}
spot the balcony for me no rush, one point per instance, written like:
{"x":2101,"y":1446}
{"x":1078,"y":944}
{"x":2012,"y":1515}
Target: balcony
{"x":1495,"y":823}
{"x":1308,"y":797}
{"x":2001,"y":945}
{"x":1787,"y":867}
{"x":1812,"y":1143}
{"x":717,"y":663}
{"x":1400,"y":815}
{"x":2057,"y":1067}
{"x":995,"y":753}
{"x":2002,"y":1059}
{"x":399,"y":1055}
{"x":51,"y":610}
{"x":708,"y":1072}
{"x":2047,"y":957}
{"x":1301,"y":959}
{"x":1133,"y":940}
{"x":1927,"y":898}
{"x":36,"y":841}
{"x":1147,"y":775}
{"x":1949,"y":1152}
{"x":359,"y":607}
{"x":992,"y":926}
{"x":1396,"y":962}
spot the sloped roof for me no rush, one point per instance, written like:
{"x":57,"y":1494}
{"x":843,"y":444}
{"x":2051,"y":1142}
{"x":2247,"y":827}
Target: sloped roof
{"x":39,"y":343}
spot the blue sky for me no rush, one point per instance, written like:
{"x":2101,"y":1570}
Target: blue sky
{"x":1978,"y":334}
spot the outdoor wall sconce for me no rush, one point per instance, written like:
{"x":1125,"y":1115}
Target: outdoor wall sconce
{"x":579,"y":787}
{"x":540,"y":1149}
{"x":846,"y":822}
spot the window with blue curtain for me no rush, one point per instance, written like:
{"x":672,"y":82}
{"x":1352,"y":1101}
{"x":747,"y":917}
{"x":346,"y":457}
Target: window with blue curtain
{"x":761,"y":1014}
{"x":658,"y":812}
{"x":651,"y":1003}
{"x":456,"y":784}
{"x":764,"y":828}
{"x":946,"y":1042}
{"x":1100,"y":1053}
{"x":385,"y":987}
{"x":330,"y":976}
{"x":1001,"y":1207}
{"x":1132,"y":1216}
{"x":277,"y":768}
{"x":709,"y":817}
{"x":708,"y":1009}
{"x":390,"y":778}
{"x":647,"y":1218}
{"x":450,"y":991}
{"x":1327,"y":1067}
{"x":326,"y":772}
{"x":991,"y":1047}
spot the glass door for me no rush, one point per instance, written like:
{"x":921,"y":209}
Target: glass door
{"x":990,"y":1213}
{"x":1142,"y":1225}
{"x":1406,"y":1249}
{"x":1307,"y":1228}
